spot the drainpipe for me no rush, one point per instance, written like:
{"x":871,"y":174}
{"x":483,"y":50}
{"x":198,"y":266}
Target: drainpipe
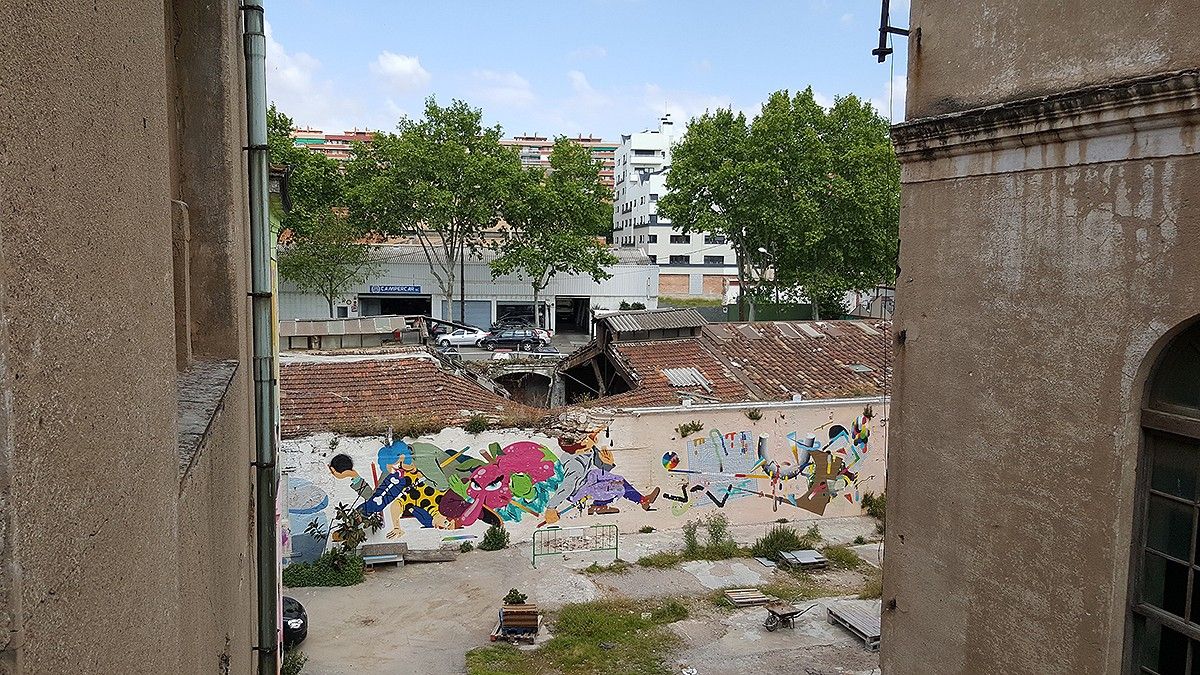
{"x":266,"y":403}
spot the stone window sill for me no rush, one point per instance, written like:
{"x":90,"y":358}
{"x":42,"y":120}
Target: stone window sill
{"x":201,"y":394}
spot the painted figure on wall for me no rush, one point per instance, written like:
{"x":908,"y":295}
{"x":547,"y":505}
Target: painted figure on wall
{"x":520,"y":478}
{"x":590,"y":482}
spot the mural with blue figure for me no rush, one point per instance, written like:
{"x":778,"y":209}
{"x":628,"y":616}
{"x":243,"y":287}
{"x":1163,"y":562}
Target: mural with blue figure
{"x":306,"y":503}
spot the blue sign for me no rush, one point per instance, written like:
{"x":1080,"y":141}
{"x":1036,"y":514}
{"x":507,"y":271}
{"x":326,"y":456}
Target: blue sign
{"x":395,"y":289}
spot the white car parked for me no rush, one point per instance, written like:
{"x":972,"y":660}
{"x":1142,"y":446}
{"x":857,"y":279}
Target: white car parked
{"x":461,"y":337}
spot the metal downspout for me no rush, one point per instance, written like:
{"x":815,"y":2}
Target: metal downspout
{"x":266,"y":408}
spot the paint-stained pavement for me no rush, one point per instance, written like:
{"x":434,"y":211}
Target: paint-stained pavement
{"x":424,"y":618}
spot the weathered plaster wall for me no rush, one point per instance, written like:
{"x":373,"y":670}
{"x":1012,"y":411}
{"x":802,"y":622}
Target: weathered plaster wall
{"x":1031,"y":304}
{"x":91,"y":578}
{"x":638,"y":454}
{"x":979,"y":53}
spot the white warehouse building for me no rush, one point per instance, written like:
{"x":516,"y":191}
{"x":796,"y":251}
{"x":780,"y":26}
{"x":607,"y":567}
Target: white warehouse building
{"x":407,"y":286}
{"x":694,"y":264}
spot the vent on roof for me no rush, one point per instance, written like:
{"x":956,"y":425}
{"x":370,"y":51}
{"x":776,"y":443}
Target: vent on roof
{"x":686,"y":377}
{"x":860,"y":368}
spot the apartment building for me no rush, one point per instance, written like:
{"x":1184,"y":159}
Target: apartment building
{"x":335,"y":146}
{"x":535,"y":151}
{"x":695,"y":264}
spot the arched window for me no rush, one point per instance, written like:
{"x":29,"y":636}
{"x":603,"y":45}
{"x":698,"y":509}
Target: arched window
{"x":1165,"y":603}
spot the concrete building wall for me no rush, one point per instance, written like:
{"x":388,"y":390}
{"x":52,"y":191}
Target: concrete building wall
{"x":101,"y":101}
{"x":1048,"y":248}
{"x":643,"y":444}
{"x":972,"y":54}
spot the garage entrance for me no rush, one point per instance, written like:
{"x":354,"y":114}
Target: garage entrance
{"x":572,"y":314}
{"x":402,"y":305}
{"x":478,"y":314}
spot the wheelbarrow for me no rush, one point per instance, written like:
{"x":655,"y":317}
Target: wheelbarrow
{"x":783,"y":614}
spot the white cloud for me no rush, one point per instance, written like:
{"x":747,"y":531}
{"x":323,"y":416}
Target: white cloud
{"x":586,"y":96}
{"x":823,"y":100}
{"x":502,"y":88}
{"x":400,"y":71}
{"x":295,"y":85}
{"x":897,"y":95}
{"x":588,"y":53}
{"x":703,"y":65}
{"x":847,"y":19}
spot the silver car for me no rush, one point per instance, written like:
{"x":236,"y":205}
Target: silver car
{"x":461,"y":337}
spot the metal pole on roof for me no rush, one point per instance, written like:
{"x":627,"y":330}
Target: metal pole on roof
{"x":265,"y":345}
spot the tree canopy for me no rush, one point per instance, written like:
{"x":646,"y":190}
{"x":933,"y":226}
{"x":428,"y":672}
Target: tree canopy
{"x":557,"y":220}
{"x":817,"y":189}
{"x":441,"y":180}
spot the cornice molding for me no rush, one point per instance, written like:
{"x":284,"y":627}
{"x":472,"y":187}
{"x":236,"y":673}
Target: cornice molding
{"x":1150,"y":117}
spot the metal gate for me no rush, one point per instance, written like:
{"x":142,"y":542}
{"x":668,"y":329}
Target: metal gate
{"x":556,"y":540}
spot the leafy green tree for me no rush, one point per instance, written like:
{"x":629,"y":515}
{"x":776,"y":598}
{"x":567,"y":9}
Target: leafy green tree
{"x":441,"y":180}
{"x":817,"y":189}
{"x":329,"y":259}
{"x":557,"y":220}
{"x":320,"y":250}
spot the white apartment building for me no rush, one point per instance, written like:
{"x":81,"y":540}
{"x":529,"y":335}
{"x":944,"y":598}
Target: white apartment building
{"x":689,"y":264}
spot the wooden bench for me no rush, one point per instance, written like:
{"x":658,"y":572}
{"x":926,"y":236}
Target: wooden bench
{"x":383,"y":553}
{"x":444,"y":554}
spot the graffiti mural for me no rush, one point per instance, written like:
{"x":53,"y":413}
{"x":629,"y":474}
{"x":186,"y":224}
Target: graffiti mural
{"x":720,"y":467}
{"x":590,"y":482}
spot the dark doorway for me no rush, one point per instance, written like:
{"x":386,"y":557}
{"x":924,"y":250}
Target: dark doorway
{"x":402,"y":305}
{"x":572,"y":315}
{"x":532,"y":389}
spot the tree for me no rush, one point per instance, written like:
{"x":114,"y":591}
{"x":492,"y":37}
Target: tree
{"x":556,"y":221}
{"x":833,"y":189}
{"x":441,"y":180}
{"x":818,"y":189}
{"x":320,"y":251}
{"x":329,"y":259}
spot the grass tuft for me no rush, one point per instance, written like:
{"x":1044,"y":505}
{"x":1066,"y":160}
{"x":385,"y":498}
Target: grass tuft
{"x":842,"y":557}
{"x":661,"y":560}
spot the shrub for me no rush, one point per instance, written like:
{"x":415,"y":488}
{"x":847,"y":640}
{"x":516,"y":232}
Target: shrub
{"x":689,"y":428}
{"x":813,"y":533}
{"x":416,"y":426}
{"x":618,"y":566}
{"x":333,"y":568}
{"x":466,"y":547}
{"x":778,"y":538}
{"x":293,"y":662}
{"x":476,"y":425}
{"x":661,"y":560}
{"x":646,"y":529}
{"x":718,"y":544}
{"x":876,"y":505}
{"x":494,"y":539}
{"x":691,"y":543}
{"x":349,"y":527}
{"x":754,"y":414}
{"x":841,"y":556}
{"x":859,"y":540}
{"x":515,"y":597}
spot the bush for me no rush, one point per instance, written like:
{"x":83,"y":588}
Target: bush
{"x":476,"y":425}
{"x":466,"y":547}
{"x":691,"y":543}
{"x":333,"y":568}
{"x":618,"y":566}
{"x":515,"y":597}
{"x":688,"y":428}
{"x":718,"y":544}
{"x":293,"y":662}
{"x":784,"y":538}
{"x":859,"y":540}
{"x":754,"y":414}
{"x":646,"y":529}
{"x":876,"y":505}
{"x":841,"y":556}
{"x":494,"y":539}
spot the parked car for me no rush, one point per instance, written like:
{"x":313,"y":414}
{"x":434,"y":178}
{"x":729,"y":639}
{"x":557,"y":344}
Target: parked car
{"x":525,"y":339}
{"x":462,"y":337}
{"x":295,"y":622}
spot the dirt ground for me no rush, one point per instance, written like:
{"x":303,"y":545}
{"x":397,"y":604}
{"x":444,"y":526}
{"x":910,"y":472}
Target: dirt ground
{"x":424,"y":618}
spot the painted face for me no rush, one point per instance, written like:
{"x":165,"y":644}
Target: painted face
{"x":518,"y":467}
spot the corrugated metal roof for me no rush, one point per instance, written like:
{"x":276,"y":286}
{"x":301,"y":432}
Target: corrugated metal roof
{"x":686,"y":377}
{"x":654,"y":319}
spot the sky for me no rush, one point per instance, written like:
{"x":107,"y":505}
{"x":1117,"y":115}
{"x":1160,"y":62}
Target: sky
{"x":602,"y":67}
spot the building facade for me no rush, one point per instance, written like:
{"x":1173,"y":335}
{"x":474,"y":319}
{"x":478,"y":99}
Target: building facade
{"x":334,"y":146}
{"x":690,"y":264}
{"x":1042,"y":481}
{"x":125,"y":445}
{"x":407,"y":285}
{"x":535,"y":151}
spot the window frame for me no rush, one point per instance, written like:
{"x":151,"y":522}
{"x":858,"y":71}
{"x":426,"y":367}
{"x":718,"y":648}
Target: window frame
{"x":1162,"y":420}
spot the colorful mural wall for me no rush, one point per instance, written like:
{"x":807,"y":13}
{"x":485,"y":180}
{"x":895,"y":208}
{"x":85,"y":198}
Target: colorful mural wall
{"x":450,"y":487}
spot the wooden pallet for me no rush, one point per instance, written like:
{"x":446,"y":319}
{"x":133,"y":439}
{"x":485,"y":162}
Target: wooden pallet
{"x":860,"y":617}
{"x":746,"y":597}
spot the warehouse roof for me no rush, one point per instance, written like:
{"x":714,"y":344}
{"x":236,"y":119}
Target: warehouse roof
{"x":652,"y":319}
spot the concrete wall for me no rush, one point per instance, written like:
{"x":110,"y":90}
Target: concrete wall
{"x":647,"y":454}
{"x":1047,"y":250}
{"x":973,"y":54}
{"x":92,"y":154}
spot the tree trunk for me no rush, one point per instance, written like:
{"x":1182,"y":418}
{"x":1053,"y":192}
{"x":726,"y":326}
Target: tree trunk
{"x":329,"y":299}
{"x":462,"y":286}
{"x":537,"y":314}
{"x":741,"y":284}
